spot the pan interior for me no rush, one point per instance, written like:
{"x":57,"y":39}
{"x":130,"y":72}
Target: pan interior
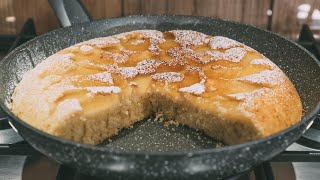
{"x":151,"y":135}
{"x":147,"y":135}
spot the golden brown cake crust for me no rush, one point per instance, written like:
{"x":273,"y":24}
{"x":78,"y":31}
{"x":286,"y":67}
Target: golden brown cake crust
{"x":89,"y":91}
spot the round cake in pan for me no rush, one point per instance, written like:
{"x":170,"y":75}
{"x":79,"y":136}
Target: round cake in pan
{"x":90,"y":91}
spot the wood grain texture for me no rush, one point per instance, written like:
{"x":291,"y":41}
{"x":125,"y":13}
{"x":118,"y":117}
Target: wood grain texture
{"x":206,"y":8}
{"x":101,"y":9}
{"x":41,"y":12}
{"x":6,"y":10}
{"x":247,"y":11}
{"x":255,"y":12}
{"x":131,"y":7}
{"x":181,"y":7}
{"x":230,"y":10}
{"x":96,"y":8}
{"x":154,"y":6}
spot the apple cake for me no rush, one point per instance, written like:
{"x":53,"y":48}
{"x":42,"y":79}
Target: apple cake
{"x":91,"y":90}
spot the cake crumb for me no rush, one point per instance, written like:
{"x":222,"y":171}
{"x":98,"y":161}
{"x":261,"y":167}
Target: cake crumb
{"x":170,"y":122}
{"x":158,"y":116}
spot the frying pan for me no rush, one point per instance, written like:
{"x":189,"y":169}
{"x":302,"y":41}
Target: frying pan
{"x":173,"y":158}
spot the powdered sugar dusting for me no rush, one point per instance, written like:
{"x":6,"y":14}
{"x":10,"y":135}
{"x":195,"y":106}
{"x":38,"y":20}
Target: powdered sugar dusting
{"x":155,"y":38}
{"x":122,"y":35}
{"x":56,"y":63}
{"x":234,"y":54}
{"x":132,"y":84}
{"x":247,"y":48}
{"x":103,"y":42}
{"x":220,"y":42}
{"x":263,"y":61}
{"x":50,"y":79}
{"x":148,"y":66}
{"x":177,"y":62}
{"x":58,"y":90}
{"x":68,"y":108}
{"x":187,"y":38}
{"x":128,"y":72}
{"x":127,"y":52}
{"x":168,"y":77}
{"x":65,"y":57}
{"x":116,"y":57}
{"x":137,"y":42}
{"x":197,"y":89}
{"x":215,"y":55}
{"x":102,"y":77}
{"x":202,"y":76}
{"x":208,"y":56}
{"x":248,"y":98}
{"x":248,"y":95}
{"x":178,"y":52}
{"x":86,"y":63}
{"x":271,"y":77}
{"x":103,"y":89}
{"x":223,"y":67}
{"x":119,"y":58}
{"x":86,"y":49}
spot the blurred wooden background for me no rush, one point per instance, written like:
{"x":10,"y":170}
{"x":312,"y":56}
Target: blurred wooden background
{"x":13,"y":13}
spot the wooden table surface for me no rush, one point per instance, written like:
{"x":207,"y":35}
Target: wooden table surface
{"x":247,"y":11}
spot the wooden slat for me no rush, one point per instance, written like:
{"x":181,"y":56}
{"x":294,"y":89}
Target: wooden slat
{"x":230,"y":9}
{"x":96,"y":8}
{"x":255,"y":13}
{"x":238,"y":7}
{"x":131,"y":7}
{"x":40,"y":11}
{"x":154,"y":6}
{"x":181,"y":7}
{"x":206,"y":8}
{"x":247,"y":11}
{"x":101,"y":9}
{"x":6,"y":9}
{"x":281,"y":19}
{"x":113,"y":8}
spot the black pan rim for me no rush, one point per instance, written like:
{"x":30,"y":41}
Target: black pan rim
{"x":305,"y":119}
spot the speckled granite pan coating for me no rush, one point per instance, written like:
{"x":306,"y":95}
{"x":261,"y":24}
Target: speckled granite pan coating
{"x":299,"y":65}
